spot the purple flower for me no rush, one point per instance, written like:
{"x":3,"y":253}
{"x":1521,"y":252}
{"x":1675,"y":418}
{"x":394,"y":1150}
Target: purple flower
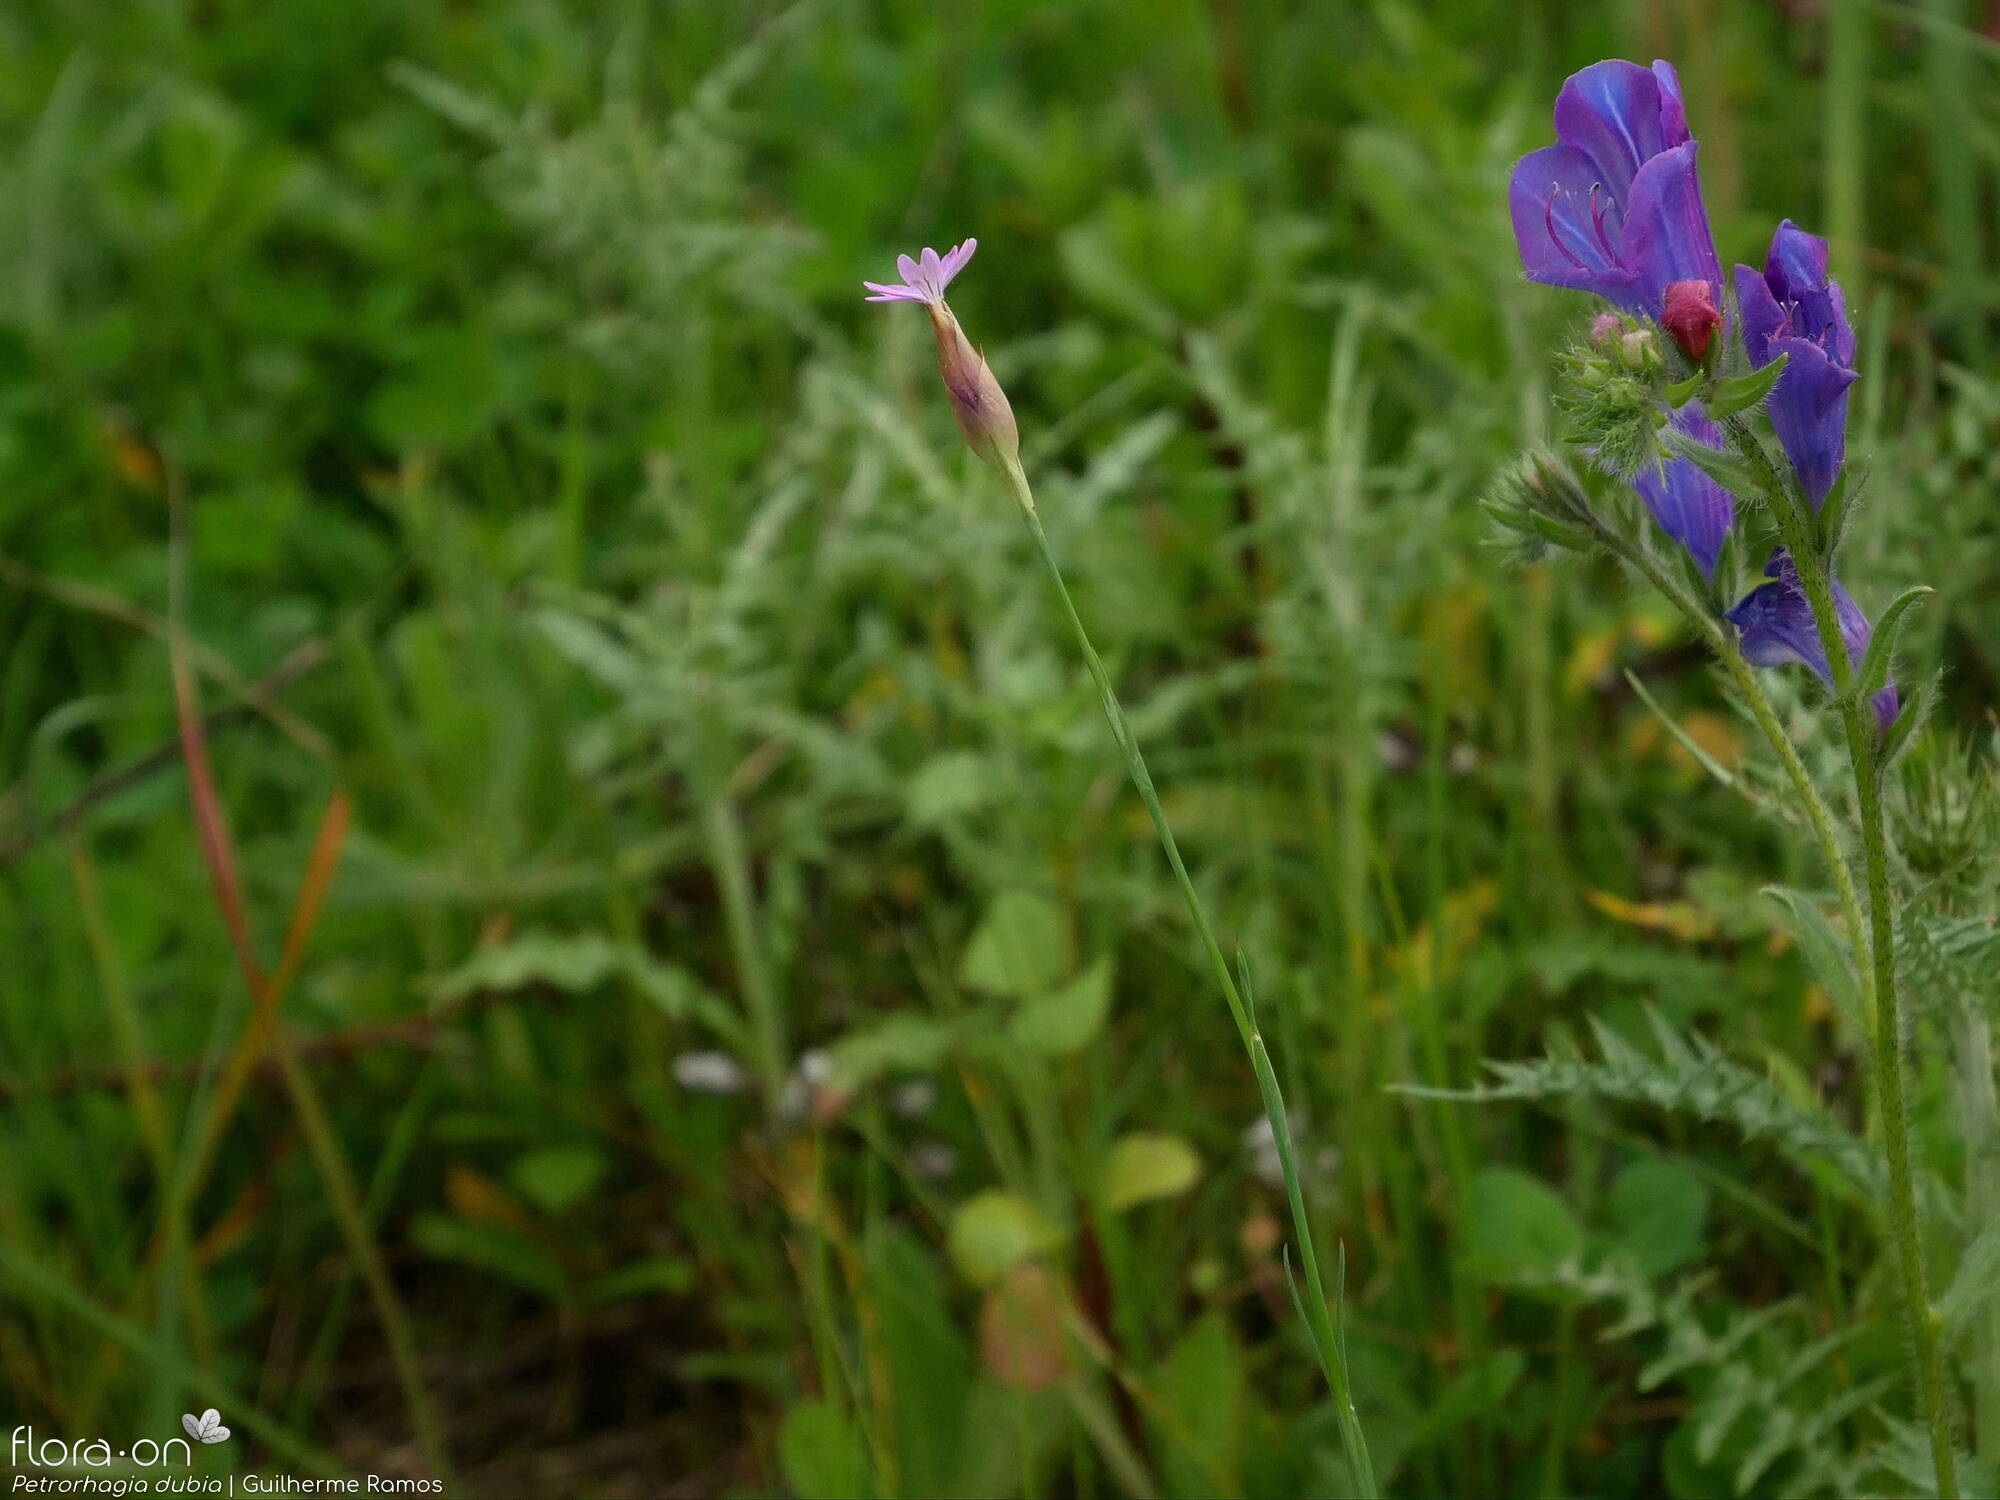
{"x":1793,"y":309}
{"x":1691,"y":508}
{"x":1777,"y":627}
{"x":1615,"y":207}
{"x":924,"y":280}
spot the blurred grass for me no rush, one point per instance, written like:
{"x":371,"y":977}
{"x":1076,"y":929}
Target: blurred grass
{"x":693,"y":693}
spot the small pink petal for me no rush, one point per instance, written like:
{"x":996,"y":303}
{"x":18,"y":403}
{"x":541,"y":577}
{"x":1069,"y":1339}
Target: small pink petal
{"x":932,"y":269}
{"x":907,"y":269}
{"x":955,"y":261}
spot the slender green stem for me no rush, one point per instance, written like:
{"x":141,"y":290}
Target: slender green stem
{"x":723,"y":834}
{"x":1325,"y":1336}
{"x":1730,"y":654}
{"x":1815,"y":578}
{"x":1816,"y":810}
{"x":345,"y":1202}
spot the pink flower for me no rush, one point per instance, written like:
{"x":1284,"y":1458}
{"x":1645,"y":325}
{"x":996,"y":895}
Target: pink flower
{"x":924,"y":280}
{"x":977,"y":401}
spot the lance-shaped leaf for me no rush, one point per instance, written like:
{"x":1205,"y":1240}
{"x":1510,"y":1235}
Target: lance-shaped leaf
{"x":1838,"y":508}
{"x":1687,"y":741}
{"x":1874,"y":674}
{"x":1825,"y":954}
{"x":1973,"y":1285}
{"x":1682,"y":391}
{"x":1725,"y":468}
{"x":1914,"y":713}
{"x":1741,"y":392}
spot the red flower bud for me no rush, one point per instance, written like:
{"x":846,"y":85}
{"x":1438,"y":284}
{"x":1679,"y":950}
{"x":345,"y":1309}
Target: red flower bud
{"x":1691,"y":318}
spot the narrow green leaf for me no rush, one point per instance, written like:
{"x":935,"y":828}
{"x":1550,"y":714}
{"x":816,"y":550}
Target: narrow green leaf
{"x":1915,"y":711}
{"x":1742,"y":392}
{"x":1874,"y":675}
{"x":1726,"y":469}
{"x":1975,"y":1282}
{"x":1682,"y":391}
{"x":1826,"y":954}
{"x":1838,"y":508}
{"x":1312,"y":1329}
{"x":1702,"y":758}
{"x":1573,"y":538}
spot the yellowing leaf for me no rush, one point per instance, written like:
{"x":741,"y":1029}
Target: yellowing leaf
{"x":1591,"y":661}
{"x":1426,"y":962}
{"x":1679,"y":919}
{"x":1713,"y":733}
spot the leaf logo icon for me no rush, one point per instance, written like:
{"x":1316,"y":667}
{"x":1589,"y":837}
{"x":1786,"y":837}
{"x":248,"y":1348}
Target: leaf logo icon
{"x":206,"y":1428}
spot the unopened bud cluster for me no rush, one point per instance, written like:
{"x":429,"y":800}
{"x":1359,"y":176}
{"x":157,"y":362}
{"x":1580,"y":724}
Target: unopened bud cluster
{"x":1610,"y":388}
{"x":1539,"y":504}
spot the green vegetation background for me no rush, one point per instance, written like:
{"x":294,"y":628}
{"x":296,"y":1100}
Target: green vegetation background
{"x":554,"y":511}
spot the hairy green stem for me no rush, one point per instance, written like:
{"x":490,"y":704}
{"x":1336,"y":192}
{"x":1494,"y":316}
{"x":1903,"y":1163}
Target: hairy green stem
{"x":1889,"y":1080}
{"x":1326,"y":1338}
{"x":1727,"y":651}
{"x":1796,"y":527}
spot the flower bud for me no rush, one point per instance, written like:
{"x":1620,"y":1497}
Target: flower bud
{"x":976,"y":398}
{"x":1636,"y":349}
{"x":1605,"y":329}
{"x":1539,"y":505}
{"x":1691,"y":317}
{"x":1553,"y":486}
